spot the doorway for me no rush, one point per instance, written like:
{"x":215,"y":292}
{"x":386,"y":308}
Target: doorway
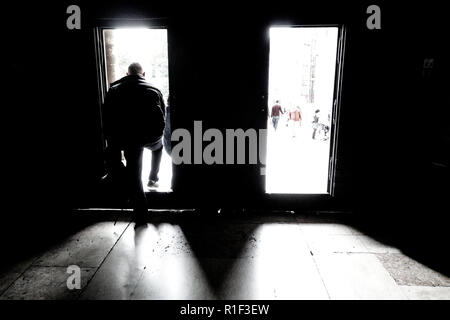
{"x":148,"y":46}
{"x":301,"y":106}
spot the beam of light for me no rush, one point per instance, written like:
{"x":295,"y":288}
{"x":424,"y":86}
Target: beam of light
{"x":172,"y":271}
{"x":276,"y":264}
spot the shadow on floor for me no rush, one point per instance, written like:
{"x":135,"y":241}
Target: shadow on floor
{"x":227,"y":235}
{"x":425,"y":242}
{"x":22,"y":240}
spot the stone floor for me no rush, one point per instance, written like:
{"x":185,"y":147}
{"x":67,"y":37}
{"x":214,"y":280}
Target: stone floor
{"x":270,"y":257}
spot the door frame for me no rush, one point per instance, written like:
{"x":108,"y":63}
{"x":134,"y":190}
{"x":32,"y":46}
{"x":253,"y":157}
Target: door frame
{"x":173,"y":199}
{"x":100,"y":56}
{"x":335,"y":128}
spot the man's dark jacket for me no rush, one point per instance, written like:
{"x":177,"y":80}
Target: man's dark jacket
{"x":133,"y":112}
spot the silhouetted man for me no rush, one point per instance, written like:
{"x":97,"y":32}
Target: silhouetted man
{"x":134,"y":114}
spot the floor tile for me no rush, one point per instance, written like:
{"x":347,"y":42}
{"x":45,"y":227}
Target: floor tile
{"x":121,"y":270}
{"x":356,"y":276}
{"x":86,"y":248}
{"x":327,"y":229}
{"x":374,"y":246}
{"x":278,"y":266}
{"x":46,"y":283}
{"x":324,"y":243}
{"x":7,"y":277}
{"x":409,"y":272}
{"x":426,"y":293}
{"x":173,"y":278}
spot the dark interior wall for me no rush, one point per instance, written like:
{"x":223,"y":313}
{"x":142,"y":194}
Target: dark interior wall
{"x":401,"y":131}
{"x":394,"y":122}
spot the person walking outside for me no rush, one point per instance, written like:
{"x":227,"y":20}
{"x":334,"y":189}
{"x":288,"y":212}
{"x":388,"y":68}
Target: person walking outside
{"x":276,"y":113}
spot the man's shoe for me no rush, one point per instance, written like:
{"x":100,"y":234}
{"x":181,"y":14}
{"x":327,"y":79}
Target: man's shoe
{"x":153,"y":184}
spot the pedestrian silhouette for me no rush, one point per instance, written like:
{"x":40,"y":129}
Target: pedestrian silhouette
{"x":134,"y":118}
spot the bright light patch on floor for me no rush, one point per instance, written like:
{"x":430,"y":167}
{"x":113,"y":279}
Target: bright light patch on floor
{"x":149,"y":48}
{"x":276,"y":265}
{"x":301,"y":77}
{"x":173,"y":273}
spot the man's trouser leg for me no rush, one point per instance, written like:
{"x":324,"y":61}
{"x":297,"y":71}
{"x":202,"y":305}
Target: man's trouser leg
{"x":116,"y":180}
{"x":275,"y":122}
{"x":156,"y":148}
{"x":113,"y":161}
{"x":133,"y":155}
{"x":156,"y":161}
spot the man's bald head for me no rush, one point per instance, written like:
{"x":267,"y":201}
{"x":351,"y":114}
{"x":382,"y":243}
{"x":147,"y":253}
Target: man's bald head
{"x":134,"y":69}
